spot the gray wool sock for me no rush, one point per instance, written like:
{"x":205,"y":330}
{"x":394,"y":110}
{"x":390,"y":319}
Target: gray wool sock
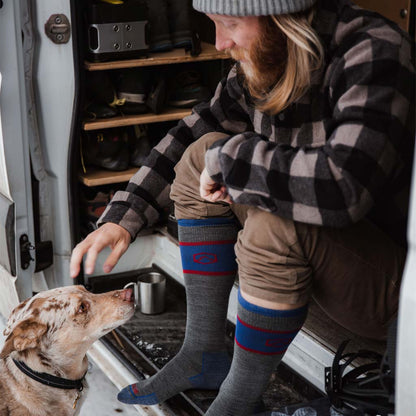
{"x":208,"y":260}
{"x":261,"y":339}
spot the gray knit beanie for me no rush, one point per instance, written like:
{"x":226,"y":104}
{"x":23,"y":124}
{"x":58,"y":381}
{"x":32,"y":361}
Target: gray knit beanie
{"x":251,"y":7}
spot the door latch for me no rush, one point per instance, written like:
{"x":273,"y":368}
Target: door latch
{"x":43,"y":253}
{"x":58,"y":29}
{"x":25,"y":248}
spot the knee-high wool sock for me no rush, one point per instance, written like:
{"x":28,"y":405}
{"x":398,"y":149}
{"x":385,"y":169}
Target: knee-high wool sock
{"x":209,"y":267}
{"x":262,"y":337}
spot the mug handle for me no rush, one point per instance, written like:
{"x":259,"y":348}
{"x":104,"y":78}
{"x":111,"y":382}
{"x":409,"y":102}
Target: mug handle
{"x":135,"y":292}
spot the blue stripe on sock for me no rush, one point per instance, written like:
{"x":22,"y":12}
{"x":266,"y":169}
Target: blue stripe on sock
{"x":147,"y":399}
{"x":271,"y":312}
{"x":262,"y":341}
{"x":209,"y":258}
{"x":207,"y":221}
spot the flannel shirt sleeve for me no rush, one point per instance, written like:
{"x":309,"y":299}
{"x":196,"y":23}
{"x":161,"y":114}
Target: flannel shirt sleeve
{"x":370,"y":88}
{"x":147,"y":194}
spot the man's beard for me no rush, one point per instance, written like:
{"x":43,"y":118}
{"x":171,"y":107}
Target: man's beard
{"x":263,"y":64}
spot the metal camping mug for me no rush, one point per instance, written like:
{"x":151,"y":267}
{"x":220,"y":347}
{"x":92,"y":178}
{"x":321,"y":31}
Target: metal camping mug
{"x":149,"y":292}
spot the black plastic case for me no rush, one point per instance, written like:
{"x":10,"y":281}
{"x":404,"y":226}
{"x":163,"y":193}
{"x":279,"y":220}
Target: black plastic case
{"x":117,"y":31}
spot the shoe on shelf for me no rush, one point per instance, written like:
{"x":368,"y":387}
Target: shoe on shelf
{"x":179,"y":14}
{"x":156,"y":99}
{"x":132,"y":89}
{"x":100,"y":89}
{"x":159,"y":35}
{"x":106,"y":149}
{"x":94,"y":110}
{"x":94,"y":203}
{"x":139,"y":144}
{"x":187,"y":90}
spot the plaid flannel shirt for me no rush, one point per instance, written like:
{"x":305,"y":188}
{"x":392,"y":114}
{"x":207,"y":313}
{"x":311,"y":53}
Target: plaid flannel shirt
{"x":340,"y":153}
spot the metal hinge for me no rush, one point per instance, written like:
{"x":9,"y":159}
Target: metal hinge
{"x":43,"y":251}
{"x":58,"y":29}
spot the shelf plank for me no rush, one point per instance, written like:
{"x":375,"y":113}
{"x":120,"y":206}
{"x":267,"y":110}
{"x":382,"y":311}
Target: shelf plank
{"x":130,"y":120}
{"x":97,"y":177}
{"x":176,"y":56}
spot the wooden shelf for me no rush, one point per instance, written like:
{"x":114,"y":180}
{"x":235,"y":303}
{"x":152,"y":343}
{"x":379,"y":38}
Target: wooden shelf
{"x":209,"y":53}
{"x":97,"y":177}
{"x":130,"y":120}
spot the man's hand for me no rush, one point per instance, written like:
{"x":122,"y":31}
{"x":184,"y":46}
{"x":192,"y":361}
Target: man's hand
{"x":108,"y":235}
{"x":212,"y":191}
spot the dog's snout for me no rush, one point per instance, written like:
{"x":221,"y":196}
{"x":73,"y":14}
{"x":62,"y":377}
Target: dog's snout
{"x":127,"y":295}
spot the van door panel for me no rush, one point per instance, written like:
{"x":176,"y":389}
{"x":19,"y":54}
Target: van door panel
{"x":16,"y":217}
{"x":7,"y":240}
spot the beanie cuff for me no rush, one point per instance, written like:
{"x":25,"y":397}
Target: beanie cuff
{"x":252,"y":7}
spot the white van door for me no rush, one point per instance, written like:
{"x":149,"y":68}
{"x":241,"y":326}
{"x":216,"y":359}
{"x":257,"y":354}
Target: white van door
{"x":37,"y":101}
{"x":406,"y":363}
{"x":16,"y":217}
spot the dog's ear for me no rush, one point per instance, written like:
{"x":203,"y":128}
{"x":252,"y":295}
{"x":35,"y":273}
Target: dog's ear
{"x":25,"y":335}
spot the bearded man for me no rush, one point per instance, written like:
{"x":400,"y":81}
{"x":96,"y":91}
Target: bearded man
{"x":294,"y":176}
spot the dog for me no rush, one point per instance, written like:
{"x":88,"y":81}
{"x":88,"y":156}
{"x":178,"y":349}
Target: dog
{"x":43,"y":361}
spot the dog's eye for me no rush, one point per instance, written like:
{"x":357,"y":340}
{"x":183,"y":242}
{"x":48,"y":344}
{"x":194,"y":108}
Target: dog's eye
{"x":83,"y":307}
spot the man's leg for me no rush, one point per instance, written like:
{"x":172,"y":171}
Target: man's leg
{"x":207,"y":235}
{"x":357,"y":275}
{"x":275,"y":283}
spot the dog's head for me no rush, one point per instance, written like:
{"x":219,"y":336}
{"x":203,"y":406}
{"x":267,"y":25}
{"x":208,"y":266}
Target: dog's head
{"x":65,"y":320}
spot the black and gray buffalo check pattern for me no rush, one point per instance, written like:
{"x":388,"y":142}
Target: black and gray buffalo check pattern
{"x":340,"y":153}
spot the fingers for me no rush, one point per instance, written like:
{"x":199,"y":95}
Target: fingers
{"x":76,"y":258}
{"x":91,"y":258}
{"x":219,"y":195}
{"x":89,"y":246}
{"x":115,"y":255}
{"x":212,"y":191}
{"x":108,"y":235}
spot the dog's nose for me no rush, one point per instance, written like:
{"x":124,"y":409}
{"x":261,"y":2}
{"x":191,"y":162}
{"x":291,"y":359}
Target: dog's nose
{"x":127,"y":295}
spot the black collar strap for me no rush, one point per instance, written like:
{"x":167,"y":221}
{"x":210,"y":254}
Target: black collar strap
{"x":50,"y":380}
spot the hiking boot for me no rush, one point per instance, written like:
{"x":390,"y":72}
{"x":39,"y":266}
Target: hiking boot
{"x":156,"y":99}
{"x":94,"y":203}
{"x":187,"y":90}
{"x":132,"y":88}
{"x":159,"y":26}
{"x":179,"y":13}
{"x":100,"y":89}
{"x":106,"y":149}
{"x":95,"y":110}
{"x":139,"y":145}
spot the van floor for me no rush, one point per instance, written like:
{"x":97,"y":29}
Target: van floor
{"x":147,"y":342}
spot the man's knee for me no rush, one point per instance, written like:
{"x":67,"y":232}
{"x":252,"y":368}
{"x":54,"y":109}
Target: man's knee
{"x":185,"y":188}
{"x":194,"y":155}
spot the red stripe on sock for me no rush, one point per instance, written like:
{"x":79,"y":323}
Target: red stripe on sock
{"x":266,"y":330}
{"x":260,"y":352}
{"x":210,"y":273}
{"x":203,"y":243}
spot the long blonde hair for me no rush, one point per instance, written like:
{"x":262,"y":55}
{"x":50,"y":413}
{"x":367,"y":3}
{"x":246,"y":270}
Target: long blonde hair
{"x":305,"y":54}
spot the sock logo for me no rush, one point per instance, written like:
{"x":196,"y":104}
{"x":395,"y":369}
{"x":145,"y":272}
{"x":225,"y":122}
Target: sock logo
{"x":205,"y":258}
{"x":135,"y":389}
{"x":278,"y":342}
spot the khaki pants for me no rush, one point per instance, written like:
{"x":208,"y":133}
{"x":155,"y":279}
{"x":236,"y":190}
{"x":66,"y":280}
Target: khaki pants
{"x":352,"y":273}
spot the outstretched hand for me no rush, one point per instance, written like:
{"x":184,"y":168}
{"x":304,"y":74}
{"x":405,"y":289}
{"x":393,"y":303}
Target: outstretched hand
{"x":211,"y":190}
{"x":108,"y":235}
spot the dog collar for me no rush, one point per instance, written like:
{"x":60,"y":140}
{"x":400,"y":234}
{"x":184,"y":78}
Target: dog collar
{"x":49,"y":379}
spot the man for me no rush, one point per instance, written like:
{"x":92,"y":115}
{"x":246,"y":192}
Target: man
{"x":300,"y":163}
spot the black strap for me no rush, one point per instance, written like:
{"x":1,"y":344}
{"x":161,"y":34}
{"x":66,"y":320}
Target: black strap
{"x":49,"y":379}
